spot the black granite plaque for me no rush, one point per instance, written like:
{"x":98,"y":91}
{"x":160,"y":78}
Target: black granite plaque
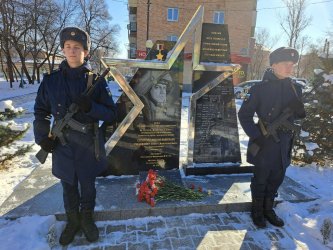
{"x":152,"y":140}
{"x":216,"y":138}
{"x":215,"y":45}
{"x":216,"y":132}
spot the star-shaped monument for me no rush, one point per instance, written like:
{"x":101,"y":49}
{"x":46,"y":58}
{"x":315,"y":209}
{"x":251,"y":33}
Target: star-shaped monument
{"x":194,"y":27}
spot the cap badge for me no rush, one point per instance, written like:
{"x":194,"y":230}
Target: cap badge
{"x":72,"y":33}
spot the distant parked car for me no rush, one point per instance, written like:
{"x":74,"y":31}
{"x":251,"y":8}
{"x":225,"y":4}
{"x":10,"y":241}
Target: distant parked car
{"x":241,"y":89}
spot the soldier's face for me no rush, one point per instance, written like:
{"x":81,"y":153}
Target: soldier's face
{"x":74,"y":53}
{"x":283,"y":69}
{"x":158,"y":93}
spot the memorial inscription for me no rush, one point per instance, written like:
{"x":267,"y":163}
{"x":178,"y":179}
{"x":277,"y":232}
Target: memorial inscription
{"x":216,"y":138}
{"x":215,"y":45}
{"x":152,"y":140}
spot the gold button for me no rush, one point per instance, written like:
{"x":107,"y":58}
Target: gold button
{"x":269,"y":114}
{"x":58,"y":113}
{"x":59,"y":105}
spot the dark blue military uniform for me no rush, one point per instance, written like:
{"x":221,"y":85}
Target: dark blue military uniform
{"x":268,"y":99}
{"x":74,"y":162}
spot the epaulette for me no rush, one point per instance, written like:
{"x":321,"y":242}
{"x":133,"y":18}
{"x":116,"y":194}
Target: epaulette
{"x":52,"y":72}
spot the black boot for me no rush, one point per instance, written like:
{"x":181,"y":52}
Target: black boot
{"x":270,"y":214}
{"x":88,"y":225}
{"x":257,"y":212}
{"x":71,"y":228}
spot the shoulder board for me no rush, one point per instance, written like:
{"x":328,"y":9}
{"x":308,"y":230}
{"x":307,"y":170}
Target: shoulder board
{"x":52,"y":72}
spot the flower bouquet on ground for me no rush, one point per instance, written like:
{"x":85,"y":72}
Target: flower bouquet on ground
{"x":157,"y":188}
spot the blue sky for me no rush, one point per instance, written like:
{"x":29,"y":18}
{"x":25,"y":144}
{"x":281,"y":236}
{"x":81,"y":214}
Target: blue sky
{"x":267,"y":17}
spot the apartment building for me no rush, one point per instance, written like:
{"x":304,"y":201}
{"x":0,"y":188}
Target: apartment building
{"x":166,"y":19}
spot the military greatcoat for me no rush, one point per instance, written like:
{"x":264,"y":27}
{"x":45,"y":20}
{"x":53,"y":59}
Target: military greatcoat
{"x":268,"y":99}
{"x":55,"y":94}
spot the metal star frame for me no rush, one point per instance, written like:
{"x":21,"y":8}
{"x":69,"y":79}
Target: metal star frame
{"x":194,"y":27}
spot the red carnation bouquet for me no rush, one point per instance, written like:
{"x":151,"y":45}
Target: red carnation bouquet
{"x":157,"y":188}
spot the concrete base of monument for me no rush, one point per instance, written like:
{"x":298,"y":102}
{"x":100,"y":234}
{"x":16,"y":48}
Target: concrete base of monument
{"x":41,"y":194}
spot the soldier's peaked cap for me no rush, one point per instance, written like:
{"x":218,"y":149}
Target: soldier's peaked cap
{"x":284,"y":54}
{"x":75,"y":34}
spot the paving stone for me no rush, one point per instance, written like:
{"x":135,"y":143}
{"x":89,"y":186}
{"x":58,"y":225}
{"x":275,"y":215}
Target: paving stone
{"x":188,"y":231}
{"x":121,"y":246}
{"x":97,"y":248}
{"x":173,"y":222}
{"x":229,"y":237}
{"x":230,"y":219}
{"x":203,"y":230}
{"x":206,"y":240}
{"x":138,"y":246}
{"x":227,"y":247}
{"x":212,"y":219}
{"x":156,"y":224}
{"x":138,"y":227}
{"x":182,"y":243}
{"x":160,"y":245}
{"x":115,"y":228}
{"x":167,"y":233}
{"x":225,"y":227}
{"x":147,"y":235}
{"x":254,"y":246}
{"x":127,"y":237}
{"x":191,"y":221}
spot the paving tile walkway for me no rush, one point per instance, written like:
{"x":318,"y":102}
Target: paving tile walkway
{"x":196,"y":231}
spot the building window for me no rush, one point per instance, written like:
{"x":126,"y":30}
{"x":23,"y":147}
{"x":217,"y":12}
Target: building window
{"x":132,"y":51}
{"x":173,"y":14}
{"x":172,"y":38}
{"x":160,"y":46}
{"x":218,"y":17}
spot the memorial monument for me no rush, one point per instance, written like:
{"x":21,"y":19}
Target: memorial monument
{"x":149,"y":132}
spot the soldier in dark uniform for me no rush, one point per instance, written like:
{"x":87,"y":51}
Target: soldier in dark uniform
{"x":268,"y":100}
{"x":81,"y":157}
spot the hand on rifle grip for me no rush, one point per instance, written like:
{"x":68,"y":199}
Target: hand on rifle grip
{"x":48,"y":144}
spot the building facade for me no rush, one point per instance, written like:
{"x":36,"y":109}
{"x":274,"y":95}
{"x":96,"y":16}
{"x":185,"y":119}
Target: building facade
{"x":166,"y":19}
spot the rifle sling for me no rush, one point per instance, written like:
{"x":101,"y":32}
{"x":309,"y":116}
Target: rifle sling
{"x":95,"y":125}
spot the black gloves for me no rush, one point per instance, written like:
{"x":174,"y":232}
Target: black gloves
{"x":298,"y":108}
{"x":48,"y":144}
{"x":84,"y":102}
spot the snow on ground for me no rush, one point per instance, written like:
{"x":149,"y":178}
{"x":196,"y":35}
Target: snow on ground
{"x":7,"y":92}
{"x":309,"y":223}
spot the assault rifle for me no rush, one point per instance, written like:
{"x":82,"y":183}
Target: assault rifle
{"x":271,"y":129}
{"x":67,"y":120}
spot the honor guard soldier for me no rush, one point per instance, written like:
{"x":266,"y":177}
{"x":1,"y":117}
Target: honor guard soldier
{"x":78,"y":156}
{"x":277,"y":102}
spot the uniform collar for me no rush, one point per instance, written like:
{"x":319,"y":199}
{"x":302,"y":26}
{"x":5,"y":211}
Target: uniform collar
{"x":74,"y":72}
{"x":269,"y":76}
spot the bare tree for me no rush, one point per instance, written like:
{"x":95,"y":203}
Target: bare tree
{"x":295,"y":21}
{"x":53,"y":18}
{"x":30,"y":29}
{"x":94,"y":17}
{"x":310,"y":61}
{"x":259,"y":60}
{"x":6,"y":10}
{"x":304,"y":41}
